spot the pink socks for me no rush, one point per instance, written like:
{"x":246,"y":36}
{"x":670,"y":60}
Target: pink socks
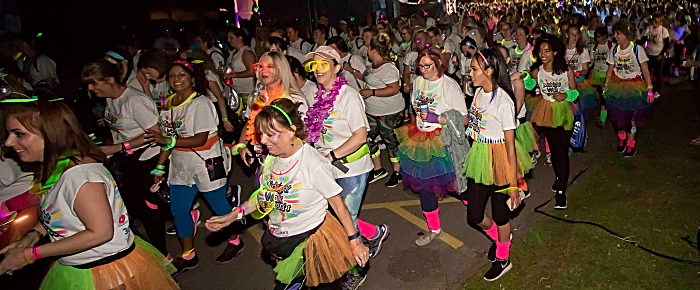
{"x":465,"y":202}
{"x":622,"y":136}
{"x":502,"y":250}
{"x":235,"y":241}
{"x":493,"y":232}
{"x":366,"y":229}
{"x":546,"y":145}
{"x":433,"y":219}
{"x":188,"y":255}
{"x":631,"y":143}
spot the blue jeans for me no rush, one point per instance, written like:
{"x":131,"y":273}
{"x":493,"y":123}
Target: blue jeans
{"x":353,"y":190}
{"x":181,"y":198}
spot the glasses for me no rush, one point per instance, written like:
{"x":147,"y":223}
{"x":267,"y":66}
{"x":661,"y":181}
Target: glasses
{"x":321,"y":66}
{"x":262,"y":65}
{"x":425,"y":67}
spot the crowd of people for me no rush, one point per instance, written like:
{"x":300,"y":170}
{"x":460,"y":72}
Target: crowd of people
{"x":463,"y":104}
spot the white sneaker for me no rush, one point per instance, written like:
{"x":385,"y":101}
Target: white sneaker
{"x":657,"y":95}
{"x":428,"y":237}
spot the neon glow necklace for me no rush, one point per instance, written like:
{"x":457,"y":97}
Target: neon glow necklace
{"x":519,"y":52}
{"x":169,"y":101}
{"x":422,"y":82}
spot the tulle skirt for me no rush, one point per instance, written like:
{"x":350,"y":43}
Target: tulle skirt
{"x":598,"y":78}
{"x":552,"y":114}
{"x":623,"y":97}
{"x":328,"y":253}
{"x":526,"y":135}
{"x":144,"y":268}
{"x":587,"y":98}
{"x":426,"y":166}
{"x":488,"y":164}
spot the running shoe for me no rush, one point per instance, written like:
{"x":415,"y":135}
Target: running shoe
{"x":630,"y":152}
{"x":548,"y":159}
{"x":375,"y":175}
{"x":353,"y":280}
{"x":492,"y":252}
{"x":394,"y":180}
{"x":498,"y":269}
{"x":375,"y":245}
{"x":525,"y":194}
{"x":182,"y":265}
{"x":234,"y":194}
{"x":657,"y":95}
{"x":560,"y":200}
{"x":535,"y":155}
{"x":621,"y":146}
{"x":428,"y":237}
{"x":230,"y":252}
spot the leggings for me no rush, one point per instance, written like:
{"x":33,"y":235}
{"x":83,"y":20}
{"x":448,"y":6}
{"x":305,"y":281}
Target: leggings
{"x":181,"y":198}
{"x":384,"y":126}
{"x":632,"y":119}
{"x":656,"y":70}
{"x":477,"y":195}
{"x":136,"y":184}
{"x":558,"y":139}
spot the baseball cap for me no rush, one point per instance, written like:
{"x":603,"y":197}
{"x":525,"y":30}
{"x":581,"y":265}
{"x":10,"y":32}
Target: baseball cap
{"x":324,"y":52}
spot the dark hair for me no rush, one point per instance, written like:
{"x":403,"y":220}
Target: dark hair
{"x":339,"y":42}
{"x":500,"y":78}
{"x":434,"y":30}
{"x":524,"y":28}
{"x":381,"y":43}
{"x":207,"y":37}
{"x":60,"y":129}
{"x":291,"y":25}
{"x":155,"y":59}
{"x":279,"y":42}
{"x":100,"y":70}
{"x":197,"y":73}
{"x":559,"y":65}
{"x":601,"y":31}
{"x":296,"y":67}
{"x":435,"y":57}
{"x":323,"y":29}
{"x":268,"y":116}
{"x":354,"y":29}
{"x":627,"y":28}
{"x":240,"y":32}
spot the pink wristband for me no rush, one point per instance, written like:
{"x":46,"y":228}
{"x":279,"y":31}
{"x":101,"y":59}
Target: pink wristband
{"x":36,"y":255}
{"x":650,"y":95}
{"x":127,"y":146}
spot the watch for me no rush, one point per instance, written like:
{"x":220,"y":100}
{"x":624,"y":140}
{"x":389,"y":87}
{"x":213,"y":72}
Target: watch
{"x":355,"y":236}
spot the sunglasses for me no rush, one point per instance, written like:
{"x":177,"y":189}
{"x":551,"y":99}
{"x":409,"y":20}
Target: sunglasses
{"x":260,"y":66}
{"x":321,"y":66}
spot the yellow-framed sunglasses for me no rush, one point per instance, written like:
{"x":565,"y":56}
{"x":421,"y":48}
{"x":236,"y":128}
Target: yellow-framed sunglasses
{"x":321,"y":66}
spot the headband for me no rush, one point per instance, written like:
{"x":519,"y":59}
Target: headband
{"x":184,"y":63}
{"x":32,"y":99}
{"x":283,"y":113}
{"x":482,"y":56}
{"x":114,"y":55}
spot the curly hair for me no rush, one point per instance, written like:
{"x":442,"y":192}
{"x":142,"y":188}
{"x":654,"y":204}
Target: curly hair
{"x":626,"y":28}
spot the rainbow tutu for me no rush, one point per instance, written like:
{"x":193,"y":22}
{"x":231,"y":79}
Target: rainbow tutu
{"x":624,"y":98}
{"x":144,"y":268}
{"x":426,"y":166}
{"x":587,"y":98}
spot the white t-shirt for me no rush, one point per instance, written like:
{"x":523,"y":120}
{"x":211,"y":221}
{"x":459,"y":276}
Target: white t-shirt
{"x":301,"y":205}
{"x":60,"y":220}
{"x":410,"y":61}
{"x":13,"y":181}
{"x":130,"y":115}
{"x":655,"y":39}
{"x":440,"y":95}
{"x":355,"y":45}
{"x":296,"y":53}
{"x":551,"y":83}
{"x":216,"y":56}
{"x":186,"y":120}
{"x":516,"y":58}
{"x":365,"y":57}
{"x":45,"y":68}
{"x":576,"y":60}
{"x":625,"y":61}
{"x":600,"y":56}
{"x":213,"y":77}
{"x":489,"y":116}
{"x":302,"y":45}
{"x":346,"y":117}
{"x":526,"y":61}
{"x":450,"y":48}
{"x":159,"y":92}
{"x":357,"y":63}
{"x":235,"y":60}
{"x":383,"y":106}
{"x":309,"y":90}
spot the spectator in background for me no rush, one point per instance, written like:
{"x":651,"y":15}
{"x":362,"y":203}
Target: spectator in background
{"x":320,"y":36}
{"x":279,"y":45}
{"x":167,"y":43}
{"x":241,"y":60}
{"x":259,"y":42}
{"x":353,"y":66}
{"x":38,"y":67}
{"x":205,"y":41}
{"x":153,"y":68}
{"x":325,"y":20}
{"x":295,"y":41}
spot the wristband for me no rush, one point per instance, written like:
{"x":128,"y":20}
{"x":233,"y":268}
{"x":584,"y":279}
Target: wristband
{"x":170,"y":145}
{"x":241,"y":213}
{"x":333,"y":155}
{"x":127,"y":146}
{"x":572,"y":95}
{"x":160,"y":167}
{"x":355,"y":236}
{"x":529,"y":82}
{"x":374,"y":92}
{"x":432,"y":118}
{"x":36,"y":254}
{"x":224,"y":119}
{"x":157,"y":171}
{"x":234,"y":149}
{"x":355,"y":247}
{"x":650,"y":95}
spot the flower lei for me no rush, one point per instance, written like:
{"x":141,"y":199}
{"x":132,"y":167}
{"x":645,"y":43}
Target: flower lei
{"x":322,"y":106}
{"x":257,"y":106}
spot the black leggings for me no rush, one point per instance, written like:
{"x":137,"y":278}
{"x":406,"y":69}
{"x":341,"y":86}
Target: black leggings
{"x":428,"y":201}
{"x":477,"y":195}
{"x":558,"y":139}
{"x":135,"y":190}
{"x":656,"y":70}
{"x":631,"y":120}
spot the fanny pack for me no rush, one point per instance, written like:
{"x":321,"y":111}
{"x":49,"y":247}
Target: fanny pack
{"x":352,"y":157}
{"x":215,"y":166}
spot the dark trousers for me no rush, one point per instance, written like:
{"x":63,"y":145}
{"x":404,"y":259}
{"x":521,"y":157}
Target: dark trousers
{"x":135,"y":191}
{"x":428,"y":201}
{"x":656,"y":70}
{"x":477,"y":195}
{"x":558,"y":139}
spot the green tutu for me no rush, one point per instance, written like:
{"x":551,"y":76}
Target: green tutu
{"x":523,"y":156}
{"x":526,"y":135}
{"x":598,"y":78}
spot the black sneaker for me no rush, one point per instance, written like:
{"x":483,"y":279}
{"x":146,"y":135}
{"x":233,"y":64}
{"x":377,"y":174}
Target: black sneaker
{"x":230,"y":252}
{"x":394,"y":180}
{"x":375,"y":175}
{"x":375,"y":245}
{"x":560,"y":202}
{"x":630,"y":151}
{"x":621,"y":146}
{"x":171,"y":230}
{"x":492,"y":252}
{"x":498,"y":268}
{"x":234,"y":195}
{"x":353,"y":280}
{"x":182,"y":265}
{"x":548,"y":159}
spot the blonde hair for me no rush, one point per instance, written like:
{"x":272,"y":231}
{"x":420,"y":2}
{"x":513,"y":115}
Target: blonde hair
{"x":287,"y":80}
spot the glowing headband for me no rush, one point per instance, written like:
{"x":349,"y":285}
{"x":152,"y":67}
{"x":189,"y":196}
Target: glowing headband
{"x":32,"y":99}
{"x":283,"y":113}
{"x":114,"y":55}
{"x":482,"y":56}
{"x":185,"y":64}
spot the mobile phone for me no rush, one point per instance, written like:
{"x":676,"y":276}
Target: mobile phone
{"x":522,"y":197}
